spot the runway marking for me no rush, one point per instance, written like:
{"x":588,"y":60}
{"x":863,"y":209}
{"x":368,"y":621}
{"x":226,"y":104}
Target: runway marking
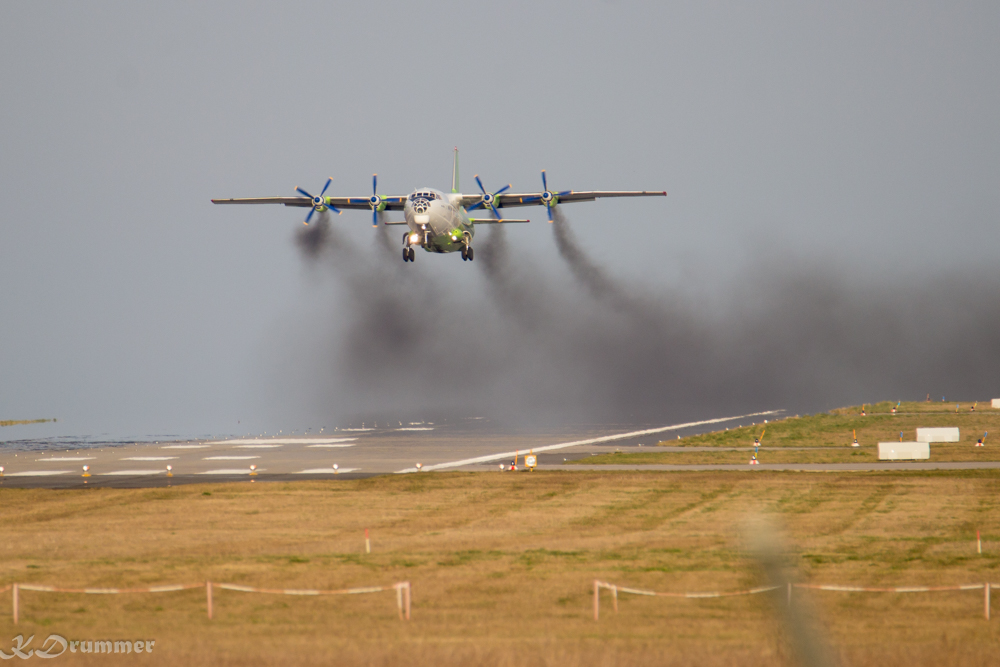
{"x":38,"y":473}
{"x":324,"y":471}
{"x":576,"y":443}
{"x":229,"y":471}
{"x":415,"y":429}
{"x":68,"y":458}
{"x":185,"y":447}
{"x":277,"y":441}
{"x":351,"y":430}
{"x":148,"y":458}
{"x":257,"y":446}
{"x":229,"y":458}
{"x":329,"y":446}
{"x":132,"y":472}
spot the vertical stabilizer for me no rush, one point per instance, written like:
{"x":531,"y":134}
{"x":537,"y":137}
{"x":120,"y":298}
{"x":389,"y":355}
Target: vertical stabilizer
{"x":454,"y":173}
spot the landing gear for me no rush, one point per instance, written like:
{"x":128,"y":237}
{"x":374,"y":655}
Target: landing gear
{"x":468,"y":254}
{"x":409,"y":255}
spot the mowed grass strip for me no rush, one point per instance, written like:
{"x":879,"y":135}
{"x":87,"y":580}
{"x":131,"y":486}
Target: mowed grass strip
{"x":502,"y":566}
{"x":836,"y":430}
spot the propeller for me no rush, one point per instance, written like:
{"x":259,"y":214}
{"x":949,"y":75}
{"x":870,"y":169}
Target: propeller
{"x":548,"y":198}
{"x":319,"y":204}
{"x":489,"y":198}
{"x":375,"y":201}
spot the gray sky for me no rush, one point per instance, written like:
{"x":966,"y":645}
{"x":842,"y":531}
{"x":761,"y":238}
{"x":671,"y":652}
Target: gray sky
{"x":861,"y":137}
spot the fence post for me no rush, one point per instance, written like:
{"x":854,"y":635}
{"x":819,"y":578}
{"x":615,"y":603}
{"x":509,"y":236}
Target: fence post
{"x":614,"y":597}
{"x":407,"y":600}
{"x":597,"y":600}
{"x":789,"y":594}
{"x":986,"y":600}
{"x":14,"y":589}
{"x":208,"y":596}
{"x":399,"y":599}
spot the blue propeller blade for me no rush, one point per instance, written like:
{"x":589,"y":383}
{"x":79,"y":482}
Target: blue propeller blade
{"x":309,"y":217}
{"x":548,"y":209}
{"x":300,"y":190}
{"x":328,"y":181}
{"x":503,"y":189}
{"x":545,"y":183}
{"x":374,"y":217}
{"x":374,"y":184}
{"x":481,"y":188}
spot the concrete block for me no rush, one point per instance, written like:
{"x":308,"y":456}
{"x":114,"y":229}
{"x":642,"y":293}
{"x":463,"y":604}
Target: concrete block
{"x":996,"y":403}
{"x":946,"y":434}
{"x":903,"y":451}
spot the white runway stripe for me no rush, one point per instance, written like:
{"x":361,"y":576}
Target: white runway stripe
{"x":37,"y":473}
{"x":229,"y":471}
{"x":592,"y":441}
{"x":148,"y":458}
{"x":229,"y":458}
{"x":330,"y":446}
{"x":257,"y":446}
{"x":324,"y":471}
{"x":185,"y":447}
{"x":278,"y":441}
{"x":68,"y":458}
{"x":131,"y":472}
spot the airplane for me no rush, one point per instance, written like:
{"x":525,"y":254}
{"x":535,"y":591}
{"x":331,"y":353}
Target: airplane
{"x":439,"y":222}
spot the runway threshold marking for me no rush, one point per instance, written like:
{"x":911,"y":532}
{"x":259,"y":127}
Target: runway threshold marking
{"x":278,"y":441}
{"x":68,"y":458}
{"x":229,"y":458}
{"x":324,"y":471}
{"x":329,"y":446}
{"x":229,"y":471}
{"x":130,"y":473}
{"x":563,"y":445}
{"x":38,"y":473}
{"x":148,"y":458}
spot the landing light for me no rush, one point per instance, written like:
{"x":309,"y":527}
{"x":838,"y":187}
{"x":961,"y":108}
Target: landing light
{"x":414,"y":238}
{"x":454,"y":238}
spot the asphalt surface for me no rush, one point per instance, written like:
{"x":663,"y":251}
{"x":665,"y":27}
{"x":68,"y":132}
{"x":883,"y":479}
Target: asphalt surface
{"x":467,"y":445}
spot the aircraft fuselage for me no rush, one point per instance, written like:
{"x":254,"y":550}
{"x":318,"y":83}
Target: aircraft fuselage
{"x":437,"y":221}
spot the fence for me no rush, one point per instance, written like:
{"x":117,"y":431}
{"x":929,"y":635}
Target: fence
{"x":615,"y":589}
{"x":402,"y":593}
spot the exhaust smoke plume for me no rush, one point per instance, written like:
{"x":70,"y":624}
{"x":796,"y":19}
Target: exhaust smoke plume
{"x":521,"y":349}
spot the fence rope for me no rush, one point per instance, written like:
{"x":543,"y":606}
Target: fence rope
{"x":615,"y":589}
{"x":403,"y":592}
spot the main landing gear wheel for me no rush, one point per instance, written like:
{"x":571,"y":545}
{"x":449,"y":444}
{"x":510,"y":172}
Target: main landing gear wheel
{"x":471,"y":253}
{"x":465,"y":254}
{"x":406,"y":254}
{"x":411,"y":254}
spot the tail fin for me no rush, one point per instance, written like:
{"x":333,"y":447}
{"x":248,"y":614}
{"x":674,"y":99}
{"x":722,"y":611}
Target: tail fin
{"x":454,"y":173}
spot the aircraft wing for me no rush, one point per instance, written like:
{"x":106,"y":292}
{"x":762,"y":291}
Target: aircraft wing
{"x":392,"y":203}
{"x":509,"y":200}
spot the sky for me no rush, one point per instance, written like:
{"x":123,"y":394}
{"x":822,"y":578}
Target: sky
{"x":829,"y":236}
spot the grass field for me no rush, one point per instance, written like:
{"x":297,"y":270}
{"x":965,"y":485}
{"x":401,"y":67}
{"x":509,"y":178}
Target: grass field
{"x":502,"y":567}
{"x":18,"y":422}
{"x":835,"y":430}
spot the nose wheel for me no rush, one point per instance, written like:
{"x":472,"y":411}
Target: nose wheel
{"x":468,"y":254}
{"x":409,"y":255}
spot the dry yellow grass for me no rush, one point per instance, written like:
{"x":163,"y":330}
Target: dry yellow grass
{"x":502,"y":566}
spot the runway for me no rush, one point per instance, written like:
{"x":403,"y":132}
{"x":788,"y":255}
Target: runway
{"x":466,"y":445}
